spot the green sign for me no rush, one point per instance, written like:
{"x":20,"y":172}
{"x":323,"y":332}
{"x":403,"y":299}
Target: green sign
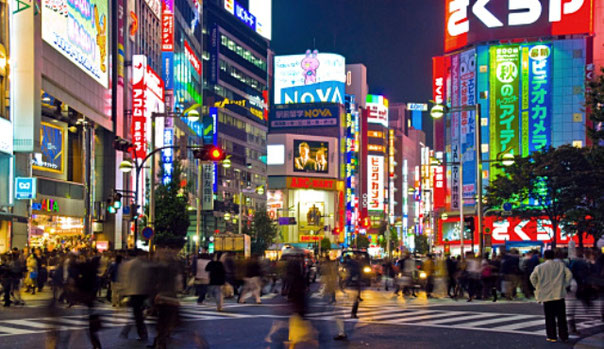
{"x":505,"y":104}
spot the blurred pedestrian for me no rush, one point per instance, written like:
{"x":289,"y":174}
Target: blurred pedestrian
{"x":451,"y":275}
{"x":550,"y":280}
{"x":166,"y":278}
{"x":202,"y":277}
{"x":217,"y":280}
{"x":135,"y":277}
{"x":428,"y":268}
{"x":113,"y":274}
{"x":510,"y":270}
{"x":252,"y":281}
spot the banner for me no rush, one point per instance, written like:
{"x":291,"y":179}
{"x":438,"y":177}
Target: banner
{"x":207,"y":197}
{"x":455,"y":151}
{"x":540,"y":97}
{"x":304,"y":115}
{"x":467,"y":75}
{"x":504,"y":99}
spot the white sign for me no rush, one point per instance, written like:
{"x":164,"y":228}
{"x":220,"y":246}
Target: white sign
{"x":79,"y":30}
{"x":375,"y":182}
{"x":6,"y":136}
{"x":23,"y":92}
{"x":155,"y":6}
{"x":377,"y":110}
{"x":275,"y":154}
{"x":310,"y":78}
{"x":417,"y":106}
{"x":207,"y":187}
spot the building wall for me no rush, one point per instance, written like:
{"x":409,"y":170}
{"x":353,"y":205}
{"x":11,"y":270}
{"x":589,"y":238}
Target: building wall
{"x":356,"y":83}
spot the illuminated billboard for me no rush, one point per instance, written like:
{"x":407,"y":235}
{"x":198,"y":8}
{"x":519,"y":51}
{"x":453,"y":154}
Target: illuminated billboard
{"x":471,"y":21}
{"x":311,"y":156}
{"x":305,"y":115}
{"x":375,"y":183}
{"x":504,"y":100}
{"x":536,"y":97}
{"x":51,"y":157}
{"x":79,"y":30}
{"x":258,"y":15}
{"x":467,"y":90}
{"x":377,"y":110}
{"x":310,"y":78}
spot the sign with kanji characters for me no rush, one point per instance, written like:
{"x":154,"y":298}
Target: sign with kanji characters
{"x":377,"y":110}
{"x":438,"y":186}
{"x":539,"y":97}
{"x":504,"y":101}
{"x":207,"y":187}
{"x":167,"y":26}
{"x":139,"y":64}
{"x":532,"y":229}
{"x":375,"y":182}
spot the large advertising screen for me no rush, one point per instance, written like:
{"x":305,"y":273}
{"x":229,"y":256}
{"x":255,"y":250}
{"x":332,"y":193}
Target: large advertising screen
{"x":377,"y":110}
{"x":537,"y":97}
{"x":311,"y":156}
{"x":311,"y":215}
{"x":467,"y":76}
{"x":310,"y":78}
{"x":257,"y":16}
{"x":52,"y":149}
{"x":504,"y":101}
{"x":79,"y":30}
{"x":471,"y":21}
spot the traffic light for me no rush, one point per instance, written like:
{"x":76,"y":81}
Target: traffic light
{"x":114,"y":203}
{"x":469,"y":225}
{"x":209,"y":153}
{"x":122,"y":144}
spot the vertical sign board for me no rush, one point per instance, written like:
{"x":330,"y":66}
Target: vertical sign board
{"x":167,"y":25}
{"x":455,"y":151}
{"x":438,"y":96}
{"x":467,"y":75}
{"x":504,"y":95}
{"x":23,"y":94}
{"x":207,"y":197}
{"x":139,"y":121}
{"x":540,"y":97}
{"x":167,"y":155}
{"x":214,"y":44}
{"x":375,"y":183}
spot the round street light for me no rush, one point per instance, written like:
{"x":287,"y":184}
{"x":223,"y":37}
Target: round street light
{"x":227,"y":216}
{"x":444,"y":216}
{"x":126,"y":166}
{"x":507,"y":159}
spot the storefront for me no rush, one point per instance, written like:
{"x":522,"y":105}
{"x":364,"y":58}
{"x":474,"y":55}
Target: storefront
{"x":57,"y":223}
{"x":503,"y":234}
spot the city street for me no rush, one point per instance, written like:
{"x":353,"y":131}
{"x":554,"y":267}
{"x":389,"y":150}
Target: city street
{"x":385,"y":321}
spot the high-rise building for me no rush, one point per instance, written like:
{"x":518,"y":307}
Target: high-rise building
{"x":236,"y":65}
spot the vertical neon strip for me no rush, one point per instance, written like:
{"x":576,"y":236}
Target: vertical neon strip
{"x":525,"y":101}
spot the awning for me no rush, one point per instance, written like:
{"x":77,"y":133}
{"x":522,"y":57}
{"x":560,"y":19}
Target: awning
{"x":7,"y":216}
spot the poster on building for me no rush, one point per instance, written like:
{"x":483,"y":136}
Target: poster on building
{"x":207,"y":187}
{"x":304,"y":115}
{"x":274,"y":204}
{"x":454,"y":129}
{"x":312,"y":214}
{"x":310,"y":78}
{"x":51,"y":157}
{"x":467,"y":76}
{"x":504,"y":102}
{"x":375,"y":183}
{"x":79,"y":30}
{"x":311,"y":156}
{"x":539,"y":97}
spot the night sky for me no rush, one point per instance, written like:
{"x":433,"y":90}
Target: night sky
{"x":395,"y":39}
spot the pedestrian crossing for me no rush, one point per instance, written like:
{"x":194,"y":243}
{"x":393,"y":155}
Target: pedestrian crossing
{"x":113,"y":318}
{"x":451,"y":319}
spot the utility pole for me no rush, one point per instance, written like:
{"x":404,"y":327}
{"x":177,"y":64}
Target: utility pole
{"x":478,"y":147}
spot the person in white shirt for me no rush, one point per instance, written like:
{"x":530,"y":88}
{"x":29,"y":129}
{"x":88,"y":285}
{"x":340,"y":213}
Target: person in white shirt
{"x":550,"y":280}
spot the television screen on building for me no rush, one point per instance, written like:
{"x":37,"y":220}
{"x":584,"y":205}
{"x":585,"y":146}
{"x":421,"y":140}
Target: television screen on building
{"x":311,"y":156}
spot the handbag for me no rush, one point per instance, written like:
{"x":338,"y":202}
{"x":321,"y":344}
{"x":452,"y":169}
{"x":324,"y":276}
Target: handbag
{"x":33,"y":275}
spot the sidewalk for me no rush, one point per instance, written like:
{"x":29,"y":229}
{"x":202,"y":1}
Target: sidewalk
{"x":593,"y":342}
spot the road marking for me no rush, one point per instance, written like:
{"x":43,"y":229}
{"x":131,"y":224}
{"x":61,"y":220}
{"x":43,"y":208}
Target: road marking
{"x":496,"y":320}
{"x":540,"y":322}
{"x":468,"y":316}
{"x":399,"y":315}
{"x":13,"y":331}
{"x":425,"y":317}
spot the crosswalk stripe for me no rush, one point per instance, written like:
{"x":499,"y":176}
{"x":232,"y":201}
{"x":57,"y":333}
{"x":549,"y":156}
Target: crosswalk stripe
{"x":462,"y":318}
{"x":70,"y":321}
{"x":540,"y":322}
{"x":496,"y":320}
{"x":12,"y":330}
{"x":424,"y":317}
{"x":31,"y":323}
{"x":397,"y":315}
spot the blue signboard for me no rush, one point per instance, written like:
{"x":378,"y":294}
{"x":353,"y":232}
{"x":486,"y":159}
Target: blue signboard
{"x":147,"y":233}
{"x":540,"y":97}
{"x":25,"y":188}
{"x":167,"y":156}
{"x":167,"y":73}
{"x":322,"y":92}
{"x":245,"y":16}
{"x":304,"y":115}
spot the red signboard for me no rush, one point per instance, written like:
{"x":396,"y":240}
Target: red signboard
{"x":167,"y":28}
{"x":535,"y":229}
{"x":139,"y":65}
{"x":438,"y":186}
{"x":311,"y":238}
{"x":311,"y":183}
{"x":471,"y":21}
{"x":192,"y":58}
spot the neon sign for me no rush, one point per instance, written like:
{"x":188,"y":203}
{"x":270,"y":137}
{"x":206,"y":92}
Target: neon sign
{"x":377,"y":110}
{"x":192,"y":58}
{"x":470,"y":21}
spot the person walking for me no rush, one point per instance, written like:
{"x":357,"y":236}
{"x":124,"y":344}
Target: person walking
{"x":253,"y":274}
{"x":202,"y":277}
{"x":217,"y":280}
{"x":135,"y":277}
{"x":550,"y":280}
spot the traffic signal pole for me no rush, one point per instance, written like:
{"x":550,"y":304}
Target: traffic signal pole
{"x":478,"y":146}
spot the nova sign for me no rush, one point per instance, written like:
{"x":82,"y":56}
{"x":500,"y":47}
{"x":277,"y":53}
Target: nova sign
{"x":470,"y":21}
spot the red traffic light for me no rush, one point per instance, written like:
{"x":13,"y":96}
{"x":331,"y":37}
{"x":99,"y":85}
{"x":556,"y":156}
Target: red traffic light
{"x":209,"y":153}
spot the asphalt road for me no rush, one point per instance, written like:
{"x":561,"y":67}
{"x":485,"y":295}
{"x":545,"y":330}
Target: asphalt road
{"x":384,"y":321}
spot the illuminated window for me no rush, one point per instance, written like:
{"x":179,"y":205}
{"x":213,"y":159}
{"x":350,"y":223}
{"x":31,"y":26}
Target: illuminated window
{"x":578,"y":144}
